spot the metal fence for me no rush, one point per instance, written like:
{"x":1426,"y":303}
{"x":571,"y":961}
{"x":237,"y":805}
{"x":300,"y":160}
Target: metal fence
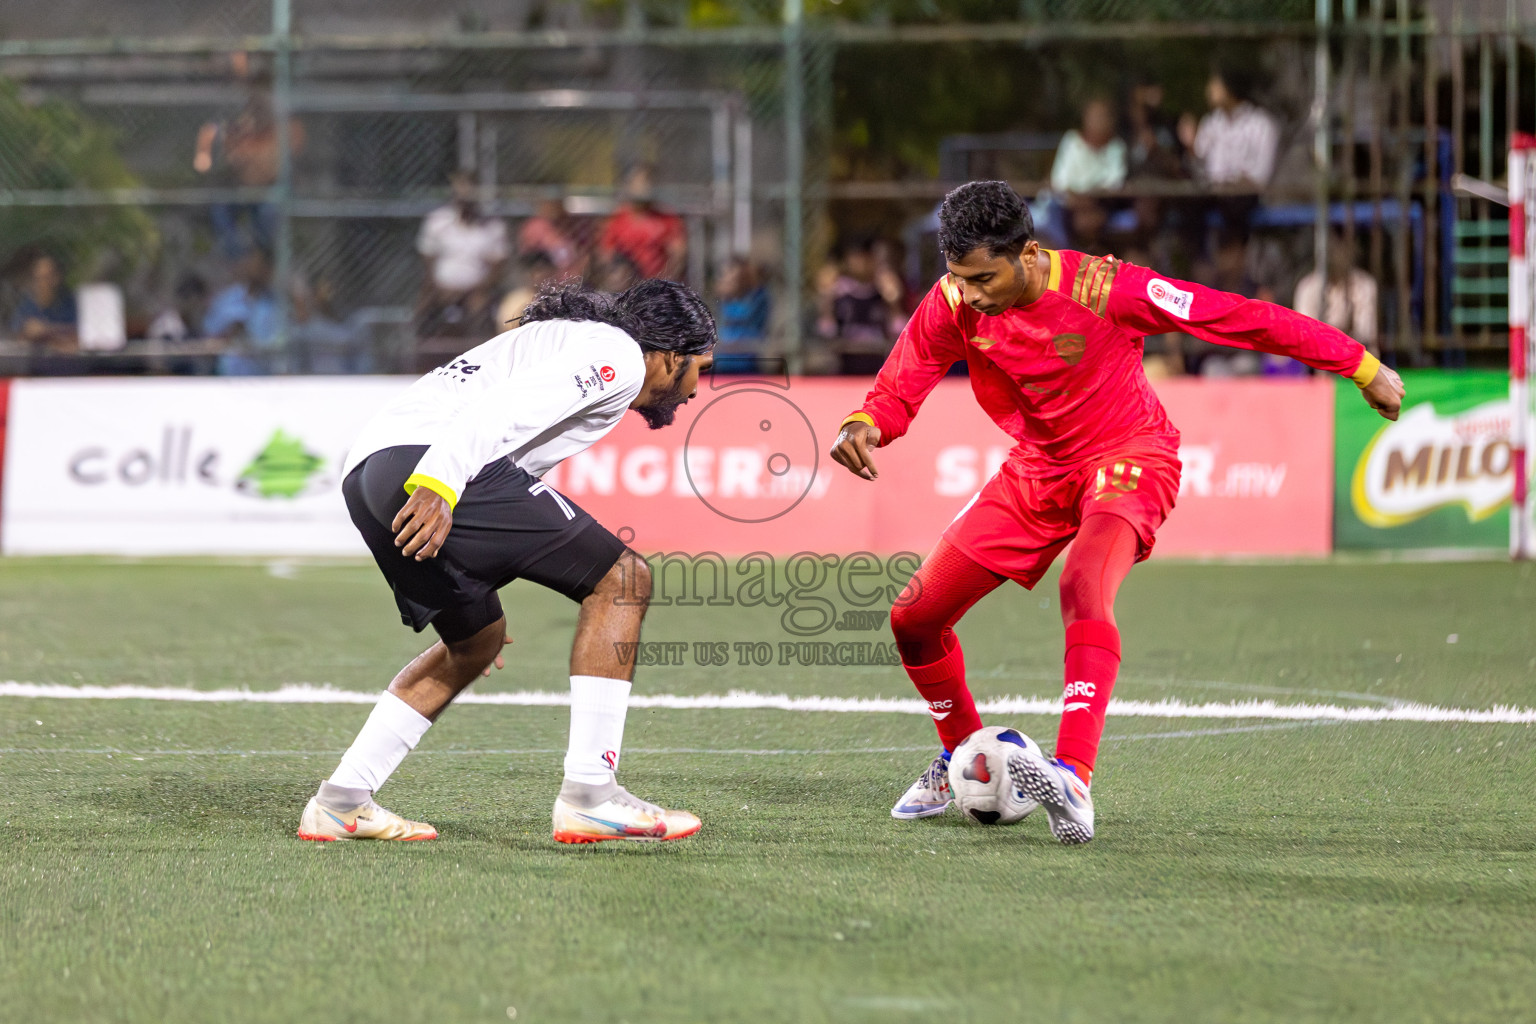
{"x":773,"y":128}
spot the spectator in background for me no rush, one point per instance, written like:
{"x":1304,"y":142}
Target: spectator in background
{"x":652,"y":239}
{"x":1155,"y":151}
{"x":323,"y":341}
{"x":1089,"y":159}
{"x":1346,"y":301}
{"x":1236,"y":143}
{"x":464,"y":251}
{"x":246,"y":148}
{"x":859,"y":304}
{"x":246,"y":313}
{"x":1155,"y":154}
{"x":1235,"y":147}
{"x":183,"y":320}
{"x":46,"y":314}
{"x":564,"y":241}
{"x":743,"y":321}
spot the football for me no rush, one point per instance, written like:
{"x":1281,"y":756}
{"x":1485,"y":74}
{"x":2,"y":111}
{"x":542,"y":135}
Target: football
{"x":978,"y":774}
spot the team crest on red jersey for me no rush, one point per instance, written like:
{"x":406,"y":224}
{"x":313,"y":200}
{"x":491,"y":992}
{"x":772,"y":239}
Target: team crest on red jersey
{"x":1070,"y":347}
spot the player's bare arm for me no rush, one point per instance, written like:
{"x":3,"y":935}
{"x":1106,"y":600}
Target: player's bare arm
{"x":422,"y":524}
{"x":1385,"y":392}
{"x":854,"y":442}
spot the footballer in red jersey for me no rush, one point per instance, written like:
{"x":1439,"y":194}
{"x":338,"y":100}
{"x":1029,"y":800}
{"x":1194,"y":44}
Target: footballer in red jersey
{"x":1053,"y":342}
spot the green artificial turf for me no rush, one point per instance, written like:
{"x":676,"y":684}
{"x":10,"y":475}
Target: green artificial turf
{"x":1291,"y":871}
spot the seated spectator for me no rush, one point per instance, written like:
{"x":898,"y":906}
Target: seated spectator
{"x":1237,"y":142}
{"x":324,"y":341}
{"x":1346,"y":301}
{"x":246,"y":313}
{"x":652,"y":239}
{"x":1234,"y":147}
{"x":46,"y":314}
{"x":1091,"y":158}
{"x":1088,"y":160}
{"x":743,"y":322}
{"x":536,"y":270}
{"x":183,"y":320}
{"x":564,"y":241}
{"x":860,"y":305}
{"x":465,"y":251}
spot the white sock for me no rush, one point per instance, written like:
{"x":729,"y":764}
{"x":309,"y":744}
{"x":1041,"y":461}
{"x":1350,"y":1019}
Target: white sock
{"x":392,"y":731}
{"x":598,"y":706}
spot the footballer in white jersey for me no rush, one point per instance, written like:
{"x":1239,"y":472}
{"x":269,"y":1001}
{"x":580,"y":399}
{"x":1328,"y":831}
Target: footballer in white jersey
{"x":444,"y":485}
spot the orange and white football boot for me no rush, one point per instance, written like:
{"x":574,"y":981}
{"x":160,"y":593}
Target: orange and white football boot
{"x":620,"y":816}
{"x":366,"y":821}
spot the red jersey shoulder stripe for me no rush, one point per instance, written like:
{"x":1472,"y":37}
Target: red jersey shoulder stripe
{"x":1095,"y":277}
{"x":950,"y":292}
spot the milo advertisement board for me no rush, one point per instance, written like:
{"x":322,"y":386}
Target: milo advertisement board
{"x":1440,"y":477}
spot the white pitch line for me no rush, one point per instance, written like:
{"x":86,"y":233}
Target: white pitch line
{"x":304,"y":693}
{"x":1179,"y":734}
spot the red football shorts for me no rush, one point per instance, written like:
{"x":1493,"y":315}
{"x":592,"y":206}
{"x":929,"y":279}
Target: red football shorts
{"x":1017,"y":525}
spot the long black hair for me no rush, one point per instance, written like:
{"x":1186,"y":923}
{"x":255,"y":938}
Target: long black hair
{"x":659,"y":315}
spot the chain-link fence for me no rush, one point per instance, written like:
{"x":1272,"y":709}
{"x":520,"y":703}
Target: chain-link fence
{"x":277,"y":160}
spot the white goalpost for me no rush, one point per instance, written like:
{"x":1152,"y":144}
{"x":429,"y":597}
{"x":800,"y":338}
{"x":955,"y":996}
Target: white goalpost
{"x":1522,"y":339}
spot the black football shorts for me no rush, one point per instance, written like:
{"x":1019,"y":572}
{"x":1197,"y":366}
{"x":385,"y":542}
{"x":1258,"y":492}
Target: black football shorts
{"x":507,"y":526}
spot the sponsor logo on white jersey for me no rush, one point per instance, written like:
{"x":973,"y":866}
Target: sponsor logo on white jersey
{"x":595,"y":378}
{"x":1165,"y":296}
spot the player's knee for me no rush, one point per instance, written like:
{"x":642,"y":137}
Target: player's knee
{"x":481,"y":649}
{"x":910,"y":621}
{"x":627,"y":583}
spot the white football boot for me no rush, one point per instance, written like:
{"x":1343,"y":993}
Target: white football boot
{"x":367,"y":821}
{"x":617,"y":814}
{"x":929,"y":795}
{"x":1058,"y":789}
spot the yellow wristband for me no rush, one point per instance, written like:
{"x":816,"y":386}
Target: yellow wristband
{"x":432,"y":484}
{"x":859,"y":417}
{"x":1366,"y":371}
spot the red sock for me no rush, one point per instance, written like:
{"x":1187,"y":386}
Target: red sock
{"x":942,"y":685}
{"x":1092,"y":662}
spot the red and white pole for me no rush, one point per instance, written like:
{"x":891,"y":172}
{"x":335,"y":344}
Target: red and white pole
{"x":1522,"y":168}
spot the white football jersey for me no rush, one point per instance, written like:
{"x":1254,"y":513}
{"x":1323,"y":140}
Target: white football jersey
{"x":535,"y":395}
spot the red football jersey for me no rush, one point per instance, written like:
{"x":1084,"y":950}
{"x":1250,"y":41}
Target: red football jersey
{"x":1063,"y":375}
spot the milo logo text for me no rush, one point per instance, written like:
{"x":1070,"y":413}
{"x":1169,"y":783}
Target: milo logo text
{"x":1426,"y":461}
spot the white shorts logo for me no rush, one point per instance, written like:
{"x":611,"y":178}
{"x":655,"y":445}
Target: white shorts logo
{"x":1166,"y":296}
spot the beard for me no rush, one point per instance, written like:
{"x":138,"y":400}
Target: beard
{"x":662,"y":410}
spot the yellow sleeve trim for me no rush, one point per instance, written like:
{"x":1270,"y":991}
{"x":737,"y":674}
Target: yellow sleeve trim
{"x":1366,"y":371}
{"x":1053,"y":282}
{"x":859,"y":417}
{"x":432,"y":484}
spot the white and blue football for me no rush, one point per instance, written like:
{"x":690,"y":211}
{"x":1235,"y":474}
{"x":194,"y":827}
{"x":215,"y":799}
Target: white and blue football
{"x":978,"y":775}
